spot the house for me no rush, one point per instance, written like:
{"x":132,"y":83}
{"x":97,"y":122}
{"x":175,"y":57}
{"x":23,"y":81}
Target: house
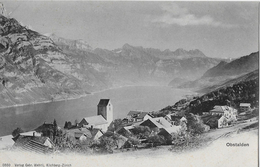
{"x":80,"y":133}
{"x":222,"y":122}
{"x":136,"y":116}
{"x":148,"y":116}
{"x":217,"y":110}
{"x":245,"y":107}
{"x":132,"y":114}
{"x":96,"y":133}
{"x":37,"y":144}
{"x":97,"y":121}
{"x":167,"y":132}
{"x":84,"y":134}
{"x":165,"y":127}
{"x":31,"y":133}
{"x":103,"y":118}
{"x":229,"y":116}
{"x":175,"y":119}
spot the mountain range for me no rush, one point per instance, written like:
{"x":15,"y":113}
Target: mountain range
{"x":36,"y":68}
{"x":134,"y":65}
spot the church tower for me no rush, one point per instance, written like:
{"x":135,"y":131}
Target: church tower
{"x":105,"y":108}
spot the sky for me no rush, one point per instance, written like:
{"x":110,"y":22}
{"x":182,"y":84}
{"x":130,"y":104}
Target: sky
{"x":218,"y":29}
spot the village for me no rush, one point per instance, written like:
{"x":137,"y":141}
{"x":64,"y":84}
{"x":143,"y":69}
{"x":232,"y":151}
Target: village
{"x":102,"y":133}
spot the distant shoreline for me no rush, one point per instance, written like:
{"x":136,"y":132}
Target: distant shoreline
{"x":58,"y":99}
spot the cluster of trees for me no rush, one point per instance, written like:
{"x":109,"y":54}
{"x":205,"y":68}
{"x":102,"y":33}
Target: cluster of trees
{"x":243,"y":92}
{"x":69,"y":125}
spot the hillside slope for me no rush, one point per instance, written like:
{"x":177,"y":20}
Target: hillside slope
{"x":33,"y":69}
{"x":247,"y":77}
{"x":239,"y":66}
{"x":223,"y":72}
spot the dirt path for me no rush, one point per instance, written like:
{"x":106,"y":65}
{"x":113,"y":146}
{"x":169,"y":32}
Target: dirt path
{"x":215,"y":134}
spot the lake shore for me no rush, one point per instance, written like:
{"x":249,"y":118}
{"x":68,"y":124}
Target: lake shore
{"x":70,"y":97}
{"x":124,"y":99}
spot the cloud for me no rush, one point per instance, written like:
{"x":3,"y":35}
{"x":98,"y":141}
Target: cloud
{"x":174,"y":14}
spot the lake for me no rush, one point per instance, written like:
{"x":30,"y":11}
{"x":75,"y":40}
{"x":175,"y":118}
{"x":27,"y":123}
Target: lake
{"x":124,"y":99}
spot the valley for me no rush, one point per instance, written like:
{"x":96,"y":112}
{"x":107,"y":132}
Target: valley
{"x":129,"y":83}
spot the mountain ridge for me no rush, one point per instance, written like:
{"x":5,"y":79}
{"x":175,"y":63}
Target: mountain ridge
{"x":224,"y":72}
{"x":35,"y":67}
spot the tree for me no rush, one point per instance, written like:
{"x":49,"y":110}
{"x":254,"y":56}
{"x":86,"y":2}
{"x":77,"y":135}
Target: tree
{"x":116,"y":124}
{"x":156,"y":140}
{"x":141,"y":131}
{"x":55,"y":129}
{"x":66,"y":125}
{"x":17,"y":131}
{"x":69,"y":124}
{"x":194,"y":125}
{"x":55,"y":123}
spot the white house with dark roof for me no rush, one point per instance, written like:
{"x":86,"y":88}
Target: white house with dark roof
{"x":228,"y":115}
{"x":244,"y":107}
{"x":103,"y":118}
{"x":165,"y":127}
{"x":137,"y":116}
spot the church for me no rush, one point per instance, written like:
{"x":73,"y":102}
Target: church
{"x":103,"y":118}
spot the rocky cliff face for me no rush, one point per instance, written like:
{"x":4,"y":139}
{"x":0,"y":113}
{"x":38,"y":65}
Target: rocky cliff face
{"x":34,"y":69}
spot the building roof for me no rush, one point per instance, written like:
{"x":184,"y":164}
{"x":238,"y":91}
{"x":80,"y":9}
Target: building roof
{"x":159,"y":122}
{"x":96,"y":120}
{"x":22,"y":139}
{"x":125,"y":129}
{"x":245,"y":105}
{"x":134,"y":113}
{"x":163,"y":122}
{"x":218,"y":109}
{"x":34,"y":146}
{"x":103,"y":102}
{"x":151,"y":123}
{"x":32,"y":143}
{"x":141,"y":115}
{"x":170,"y":130}
{"x":94,"y":132}
{"x":137,"y":114}
{"x":80,"y":131}
{"x":173,"y":129}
